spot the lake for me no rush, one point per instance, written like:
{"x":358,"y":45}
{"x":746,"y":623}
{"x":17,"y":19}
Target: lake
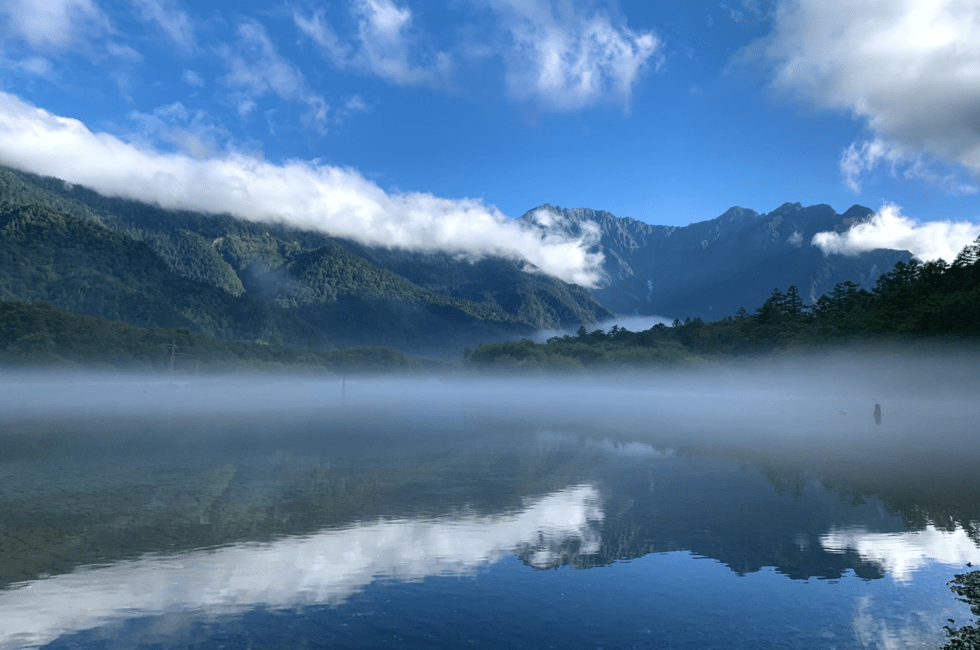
{"x":762,"y":508}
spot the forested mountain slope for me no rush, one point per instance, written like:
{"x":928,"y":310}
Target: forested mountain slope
{"x":218,"y":275}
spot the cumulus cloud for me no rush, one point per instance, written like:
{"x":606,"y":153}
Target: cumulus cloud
{"x":567,"y":58}
{"x":256,"y":68}
{"x":385,"y":44}
{"x":909,"y":68}
{"x":889,"y":228}
{"x":338,"y":201}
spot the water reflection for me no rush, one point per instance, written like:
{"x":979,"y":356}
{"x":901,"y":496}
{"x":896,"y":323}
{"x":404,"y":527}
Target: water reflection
{"x":324,"y":568}
{"x":271,"y":497}
{"x":901,"y":554}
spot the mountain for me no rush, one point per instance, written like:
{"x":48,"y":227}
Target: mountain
{"x":712,"y":268}
{"x":222,"y":276}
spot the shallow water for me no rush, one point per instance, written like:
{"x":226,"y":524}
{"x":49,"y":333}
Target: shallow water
{"x":444,"y":514}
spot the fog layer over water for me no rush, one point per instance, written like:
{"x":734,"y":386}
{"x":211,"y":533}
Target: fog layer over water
{"x":224,"y":507}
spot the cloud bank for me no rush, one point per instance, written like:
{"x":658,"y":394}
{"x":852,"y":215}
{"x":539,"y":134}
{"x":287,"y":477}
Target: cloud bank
{"x":334,"y":200}
{"x":889,"y":228}
{"x":909,"y":68}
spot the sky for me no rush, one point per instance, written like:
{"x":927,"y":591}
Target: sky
{"x":432,"y":125}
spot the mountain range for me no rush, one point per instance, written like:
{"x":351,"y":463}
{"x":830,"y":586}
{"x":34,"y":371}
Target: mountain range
{"x":217,"y":275}
{"x":712,"y":268}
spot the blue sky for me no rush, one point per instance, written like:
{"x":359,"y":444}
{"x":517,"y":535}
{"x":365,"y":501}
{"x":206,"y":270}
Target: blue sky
{"x":429,"y":124}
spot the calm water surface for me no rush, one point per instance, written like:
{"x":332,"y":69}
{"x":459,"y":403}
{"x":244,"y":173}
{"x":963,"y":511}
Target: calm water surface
{"x":447,"y":514}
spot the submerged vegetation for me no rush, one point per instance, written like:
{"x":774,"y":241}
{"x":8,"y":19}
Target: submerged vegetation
{"x":912,"y":301}
{"x":967,"y":587}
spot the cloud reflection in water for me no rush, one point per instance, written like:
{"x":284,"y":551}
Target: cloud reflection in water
{"x":323,"y":568}
{"x":901,"y":554}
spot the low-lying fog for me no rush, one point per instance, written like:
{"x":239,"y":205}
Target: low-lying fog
{"x":786,"y":398}
{"x":148,"y":496}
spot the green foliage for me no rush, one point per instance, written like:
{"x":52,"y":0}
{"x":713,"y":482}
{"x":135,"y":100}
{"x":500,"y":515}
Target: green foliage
{"x":39,"y":335}
{"x":82,"y":266}
{"x":617,"y":349}
{"x":912,"y":300}
{"x":221,"y":276}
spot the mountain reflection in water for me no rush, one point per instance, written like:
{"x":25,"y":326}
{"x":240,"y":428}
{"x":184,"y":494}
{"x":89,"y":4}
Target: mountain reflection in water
{"x":275,"y":508}
{"x":324,"y":568}
{"x":901,"y":554}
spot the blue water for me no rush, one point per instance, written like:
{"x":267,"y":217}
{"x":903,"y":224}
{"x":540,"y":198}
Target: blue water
{"x":406,"y":526}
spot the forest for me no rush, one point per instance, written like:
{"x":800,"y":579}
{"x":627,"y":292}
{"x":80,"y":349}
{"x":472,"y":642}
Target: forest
{"x":934,"y":301}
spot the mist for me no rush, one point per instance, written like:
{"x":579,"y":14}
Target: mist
{"x":211,"y":498}
{"x":791,"y":397}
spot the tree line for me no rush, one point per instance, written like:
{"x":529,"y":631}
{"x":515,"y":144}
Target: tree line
{"x":913,"y":300}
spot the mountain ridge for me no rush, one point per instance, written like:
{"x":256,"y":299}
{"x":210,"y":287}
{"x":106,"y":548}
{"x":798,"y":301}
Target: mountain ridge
{"x":709,"y":269}
{"x":265,"y":282}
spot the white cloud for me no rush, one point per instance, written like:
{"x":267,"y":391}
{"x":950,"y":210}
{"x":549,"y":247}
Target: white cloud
{"x":192,"y":78}
{"x":53,"y":24}
{"x":193,"y":134}
{"x":878,"y":629}
{"x":335,"y":200}
{"x":566,"y":58}
{"x":889,"y":228}
{"x":255,"y":68}
{"x":901,"y":554}
{"x":36,"y":66}
{"x":322,"y":568}
{"x":559,"y":54}
{"x":385,"y":45}
{"x":860,"y":159}
{"x":907,"y":67}
{"x":174,"y":22}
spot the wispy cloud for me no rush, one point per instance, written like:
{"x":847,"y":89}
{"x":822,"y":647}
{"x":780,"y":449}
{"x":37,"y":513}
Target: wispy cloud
{"x":255,"y":69}
{"x":385,"y":44}
{"x":859,"y":159}
{"x":174,"y":22}
{"x":193,"y":133}
{"x":53,"y":24}
{"x":908,"y":68}
{"x":567,"y":58}
{"x":890,"y":229}
{"x":338,"y":201}
{"x":192,"y":78}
